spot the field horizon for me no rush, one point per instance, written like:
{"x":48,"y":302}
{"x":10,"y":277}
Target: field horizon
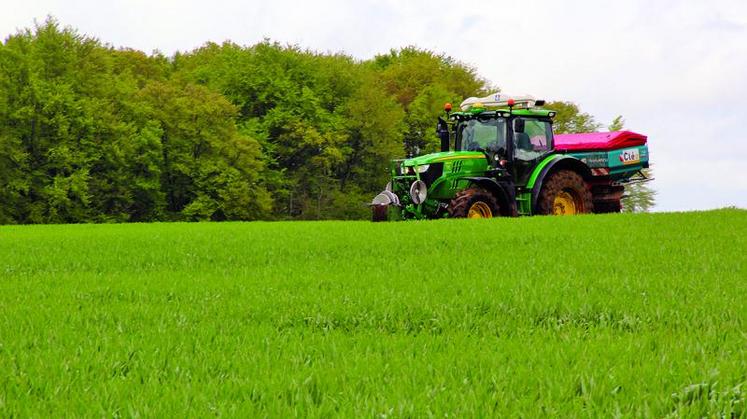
{"x":596,"y":315}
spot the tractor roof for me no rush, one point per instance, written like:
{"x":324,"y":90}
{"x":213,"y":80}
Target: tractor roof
{"x":538,"y":112}
{"x":500,"y":104}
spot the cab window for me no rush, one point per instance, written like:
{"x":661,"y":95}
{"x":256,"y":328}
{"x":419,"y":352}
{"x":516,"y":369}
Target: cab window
{"x":535,"y":141}
{"x":483,"y":135}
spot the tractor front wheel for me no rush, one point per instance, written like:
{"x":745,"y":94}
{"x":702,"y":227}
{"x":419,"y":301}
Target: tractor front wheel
{"x":474,"y":203}
{"x":565,"y":193}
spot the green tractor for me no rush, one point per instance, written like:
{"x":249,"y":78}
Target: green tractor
{"x":499,"y":157}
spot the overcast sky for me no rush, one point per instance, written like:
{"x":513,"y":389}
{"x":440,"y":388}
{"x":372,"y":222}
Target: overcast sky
{"x":675,"y":70}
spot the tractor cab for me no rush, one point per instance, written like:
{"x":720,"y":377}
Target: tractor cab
{"x":512,"y":132}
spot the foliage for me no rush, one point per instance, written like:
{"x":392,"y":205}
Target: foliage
{"x":422,"y":82}
{"x":617,"y":124}
{"x":616,"y":316}
{"x":96,"y":134}
{"x":569,"y":119}
{"x":639,"y":197}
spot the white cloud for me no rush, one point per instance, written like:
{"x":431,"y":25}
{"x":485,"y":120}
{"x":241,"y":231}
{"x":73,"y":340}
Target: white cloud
{"x":673,"y":69}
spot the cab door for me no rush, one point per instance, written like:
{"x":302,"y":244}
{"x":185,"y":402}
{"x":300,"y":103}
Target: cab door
{"x":532,"y":140}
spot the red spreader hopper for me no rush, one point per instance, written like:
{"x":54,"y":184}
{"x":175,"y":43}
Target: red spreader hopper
{"x":604,"y":141}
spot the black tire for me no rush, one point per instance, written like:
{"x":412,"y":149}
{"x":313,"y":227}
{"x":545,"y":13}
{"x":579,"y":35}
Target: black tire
{"x":604,"y":207}
{"x":476,"y":200}
{"x":379,"y":213}
{"x":565,"y":192}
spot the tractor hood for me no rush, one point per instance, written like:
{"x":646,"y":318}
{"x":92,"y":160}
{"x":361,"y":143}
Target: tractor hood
{"x":442,"y":157}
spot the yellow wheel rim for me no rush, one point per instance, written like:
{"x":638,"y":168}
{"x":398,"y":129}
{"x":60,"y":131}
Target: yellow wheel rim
{"x":564,"y":204}
{"x":479,"y":210}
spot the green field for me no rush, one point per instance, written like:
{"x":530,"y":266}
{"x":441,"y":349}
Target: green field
{"x":614,"y":315}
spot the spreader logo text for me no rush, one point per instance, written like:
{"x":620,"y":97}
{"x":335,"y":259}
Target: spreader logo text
{"x":630,"y":156}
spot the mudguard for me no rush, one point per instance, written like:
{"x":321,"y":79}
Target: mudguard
{"x":503,"y":191}
{"x":550,"y":165}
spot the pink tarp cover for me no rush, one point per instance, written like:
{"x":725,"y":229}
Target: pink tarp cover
{"x":599,"y":140}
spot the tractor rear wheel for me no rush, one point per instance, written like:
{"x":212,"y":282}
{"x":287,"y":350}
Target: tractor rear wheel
{"x":474,"y":203}
{"x":565,"y":193}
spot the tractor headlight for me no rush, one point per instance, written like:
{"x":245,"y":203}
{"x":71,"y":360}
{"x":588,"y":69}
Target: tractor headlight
{"x":423,"y":168}
{"x":418,"y":192}
{"x":405,"y":170}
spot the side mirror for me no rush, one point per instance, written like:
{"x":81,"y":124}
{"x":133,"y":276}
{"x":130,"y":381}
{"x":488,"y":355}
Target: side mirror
{"x":442,"y":130}
{"x":518,"y":125}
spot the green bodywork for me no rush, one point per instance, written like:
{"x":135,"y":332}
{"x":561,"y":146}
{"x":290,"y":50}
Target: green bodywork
{"x":524,"y":198}
{"x":456,"y":166}
{"x":451,"y":171}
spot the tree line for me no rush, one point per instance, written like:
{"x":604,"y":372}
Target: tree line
{"x":93,"y":133}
